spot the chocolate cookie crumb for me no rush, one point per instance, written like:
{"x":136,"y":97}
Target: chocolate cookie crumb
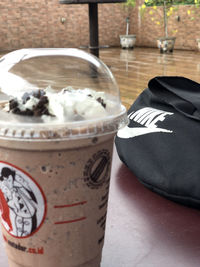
{"x":13,"y":104}
{"x":101,"y":101}
{"x":38,"y":93}
{"x":37,"y":110}
{"x":41,"y":109}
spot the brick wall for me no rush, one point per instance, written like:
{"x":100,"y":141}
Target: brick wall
{"x":37,"y":23}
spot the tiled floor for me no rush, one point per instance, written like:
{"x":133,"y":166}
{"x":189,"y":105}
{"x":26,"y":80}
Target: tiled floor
{"x":134,"y":68}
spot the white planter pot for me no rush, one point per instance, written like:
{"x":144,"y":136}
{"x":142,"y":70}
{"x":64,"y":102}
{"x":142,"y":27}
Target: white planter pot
{"x":198,"y":44}
{"x":127,"y":41}
{"x":166,"y":44}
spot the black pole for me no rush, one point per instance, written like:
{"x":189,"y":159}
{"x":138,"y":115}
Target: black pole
{"x":94,"y":31}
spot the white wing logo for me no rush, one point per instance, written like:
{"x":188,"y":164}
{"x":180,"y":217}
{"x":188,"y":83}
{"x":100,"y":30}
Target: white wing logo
{"x":147,"y":117}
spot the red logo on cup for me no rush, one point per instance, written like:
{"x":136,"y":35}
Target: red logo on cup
{"x":22,"y":201}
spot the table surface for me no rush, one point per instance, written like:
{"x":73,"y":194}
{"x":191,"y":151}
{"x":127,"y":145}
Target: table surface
{"x":144,"y":229}
{"x":90,"y":1}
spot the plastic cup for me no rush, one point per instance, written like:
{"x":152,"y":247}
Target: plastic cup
{"x":54,"y":177}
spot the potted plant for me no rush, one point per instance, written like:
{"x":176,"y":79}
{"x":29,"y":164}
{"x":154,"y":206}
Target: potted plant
{"x":198,"y":44}
{"x":166,"y":42}
{"x":128,"y":40}
{"x":193,"y":13}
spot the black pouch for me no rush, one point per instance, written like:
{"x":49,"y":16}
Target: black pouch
{"x":161,"y":144}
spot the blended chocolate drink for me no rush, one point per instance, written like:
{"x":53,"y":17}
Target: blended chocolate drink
{"x":55,"y":162}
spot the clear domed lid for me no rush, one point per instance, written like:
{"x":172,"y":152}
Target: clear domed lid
{"x":64,"y":89}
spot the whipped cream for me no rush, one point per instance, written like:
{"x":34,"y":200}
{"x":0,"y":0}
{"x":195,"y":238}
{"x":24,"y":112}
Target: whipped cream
{"x":67,"y":105}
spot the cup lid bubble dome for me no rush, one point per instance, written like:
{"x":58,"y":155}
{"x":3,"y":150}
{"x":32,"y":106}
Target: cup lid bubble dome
{"x":52,"y":93}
